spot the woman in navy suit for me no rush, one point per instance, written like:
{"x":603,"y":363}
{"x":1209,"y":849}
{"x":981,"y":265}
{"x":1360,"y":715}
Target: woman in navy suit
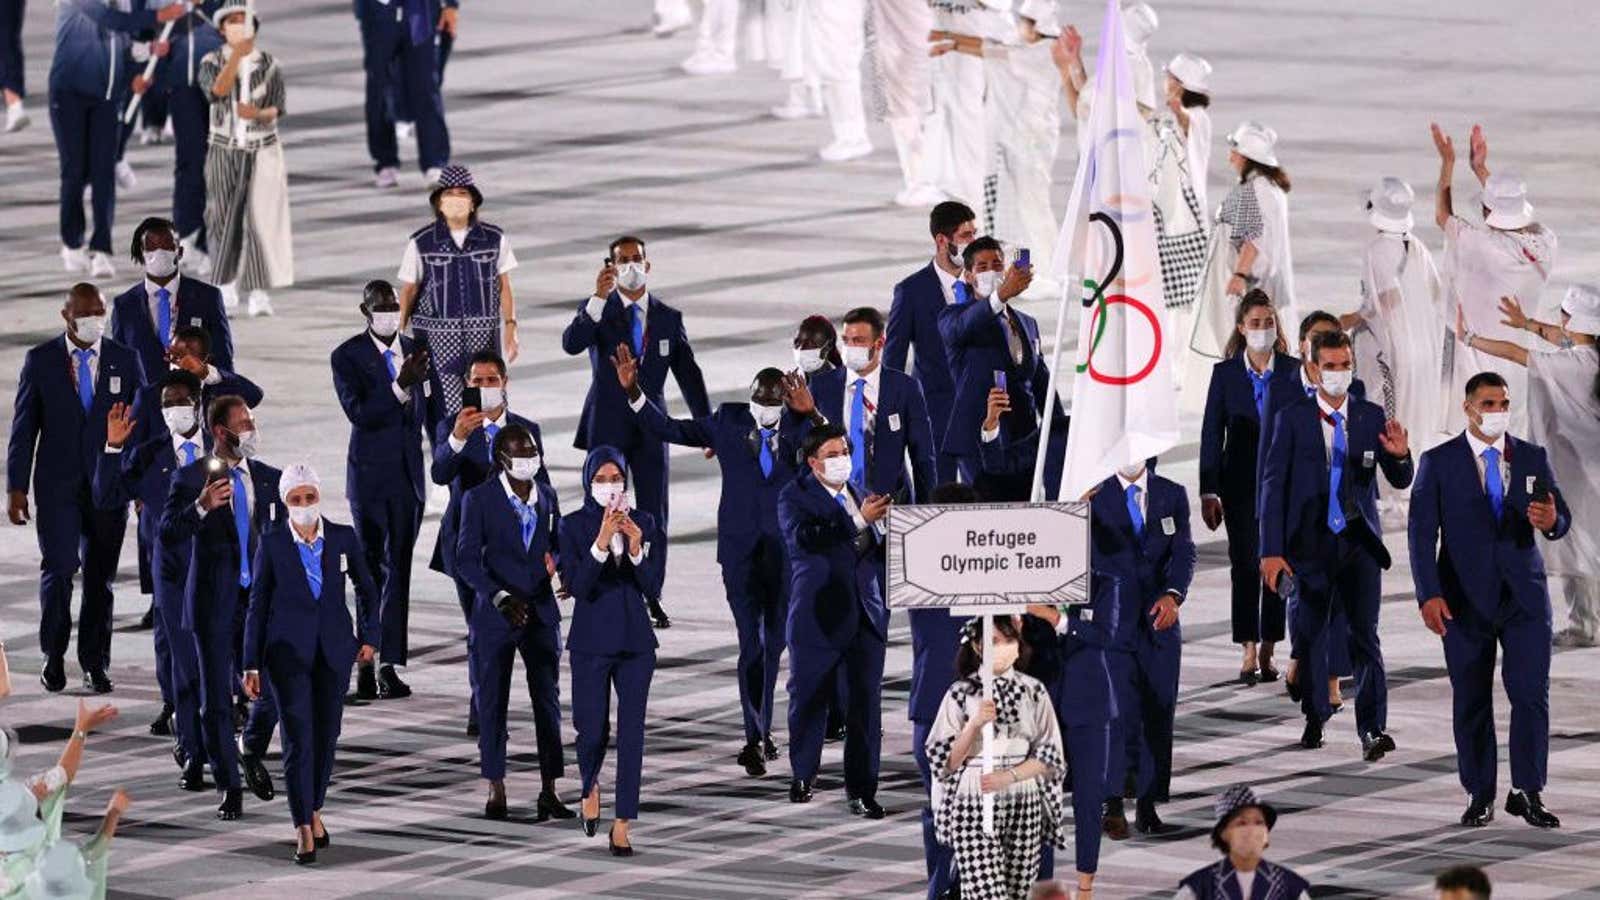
{"x":299,"y":634}
{"x":610,"y":562}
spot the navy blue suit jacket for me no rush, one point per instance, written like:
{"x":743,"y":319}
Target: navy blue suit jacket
{"x":385,"y":453}
{"x":1162,"y":560}
{"x":900,"y":428}
{"x":52,"y":439}
{"x":1294,"y":486}
{"x":833,"y":585}
{"x":748,"y":508}
{"x":286,"y":626}
{"x":147,"y":405}
{"x":935,"y":638}
{"x":211,"y":589}
{"x":143,"y":472}
{"x":491,"y":557}
{"x":1230,"y":433}
{"x":914,"y":323}
{"x":197,"y":303}
{"x":1281,"y":396}
{"x":607,"y":418}
{"x":464,"y":471}
{"x":1479,"y":554}
{"x":608,"y":599}
{"x":976,"y":344}
{"x":1005,"y":464}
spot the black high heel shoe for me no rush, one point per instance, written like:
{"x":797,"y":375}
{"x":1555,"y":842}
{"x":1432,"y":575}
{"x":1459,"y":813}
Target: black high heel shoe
{"x":305,"y":857}
{"x":591,"y":827}
{"x":323,"y":840}
{"x":616,"y":848}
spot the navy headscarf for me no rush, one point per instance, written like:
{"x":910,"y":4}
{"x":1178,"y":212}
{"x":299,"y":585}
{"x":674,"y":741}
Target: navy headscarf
{"x":599,"y":456}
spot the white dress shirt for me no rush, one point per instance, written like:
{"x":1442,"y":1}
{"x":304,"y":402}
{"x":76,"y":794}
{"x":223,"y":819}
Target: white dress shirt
{"x":1327,"y":427}
{"x":456,"y":444}
{"x":850,"y":505}
{"x":179,"y":440}
{"x":400,"y":393}
{"x":1477,"y":458}
{"x":947,"y":282}
{"x":597,"y":305}
{"x":871,"y":408}
{"x":1142,"y":498}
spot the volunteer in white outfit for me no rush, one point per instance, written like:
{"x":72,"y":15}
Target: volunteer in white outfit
{"x":1177,"y":149}
{"x":1509,"y":255}
{"x":717,"y":40}
{"x":1139,"y":22}
{"x":956,"y":142}
{"x":1564,"y":417}
{"x":903,"y":90}
{"x":832,"y":40}
{"x":1189,"y":97}
{"x":670,"y":17}
{"x":1400,"y":328}
{"x":786,"y":46}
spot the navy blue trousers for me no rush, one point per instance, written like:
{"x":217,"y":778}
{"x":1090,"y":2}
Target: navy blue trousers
{"x":387,"y":528}
{"x":74,"y":534}
{"x":387,"y":44}
{"x":11,"y":68}
{"x":1469,"y":653}
{"x":812,"y":679}
{"x":1350,"y":581}
{"x":594,"y":676}
{"x":191,"y":125}
{"x":492,"y":657}
{"x":310,"y":702}
{"x":758,"y":596}
{"x":182,"y":668}
{"x":1146,"y":680}
{"x":88,"y":132}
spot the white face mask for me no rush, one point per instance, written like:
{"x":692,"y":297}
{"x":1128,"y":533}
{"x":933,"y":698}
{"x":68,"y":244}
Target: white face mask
{"x":305,"y":516}
{"x":630,"y":276}
{"x":856,"y":359}
{"x":246,"y":444}
{"x":836,"y":470}
{"x":235,"y":32}
{"x":1131,"y":473}
{"x":89,"y":328}
{"x":1248,"y":841}
{"x":160,"y":263}
{"x":1260,"y":340}
{"x":179,"y":419}
{"x":1005,"y":656}
{"x":523,"y":468}
{"x":1494,"y":424}
{"x":385,"y":324}
{"x":809,"y":360}
{"x":493,"y":398}
{"x":766,"y":416}
{"x":605,"y":492}
{"x":986,"y":283}
{"x":455,"y":207}
{"x":957,"y":254}
{"x":1337,"y":384}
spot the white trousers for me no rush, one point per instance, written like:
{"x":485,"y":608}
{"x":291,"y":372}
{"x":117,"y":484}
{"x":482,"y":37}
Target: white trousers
{"x":957,"y":143}
{"x":833,"y":41}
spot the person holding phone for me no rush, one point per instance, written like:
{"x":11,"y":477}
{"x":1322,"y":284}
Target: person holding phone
{"x":1480,"y":581}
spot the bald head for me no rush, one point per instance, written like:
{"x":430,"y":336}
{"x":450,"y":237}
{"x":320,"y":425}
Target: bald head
{"x":85,"y":313}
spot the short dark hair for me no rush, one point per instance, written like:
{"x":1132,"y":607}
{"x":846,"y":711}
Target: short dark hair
{"x":821,"y":435}
{"x":867,"y":314}
{"x":487,"y":356}
{"x":1485,"y":379}
{"x":626,"y":239}
{"x":151,"y":223}
{"x":948,"y":216}
{"x":1463,"y":878}
{"x":507,"y":434}
{"x":1328,"y":340}
{"x":978,"y":246}
{"x":181,"y":378}
{"x":221,"y":407}
{"x":1315,"y":318}
{"x":198,"y":335}
{"x":970,"y":659}
{"x":954,"y":492}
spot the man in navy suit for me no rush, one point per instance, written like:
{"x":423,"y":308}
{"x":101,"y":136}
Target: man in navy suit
{"x":622,"y":312}
{"x":505,"y":553}
{"x":463,"y":458}
{"x":381,"y":379}
{"x":1319,"y":525}
{"x":1006,"y":462}
{"x":1485,"y":493}
{"x":837,"y":618}
{"x":399,"y":38}
{"x":220,"y":506}
{"x":919,"y":298}
{"x":989,"y":342}
{"x":147,"y":316}
{"x":67,"y":386}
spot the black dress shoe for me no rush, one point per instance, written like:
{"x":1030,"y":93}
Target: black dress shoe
{"x":1311,"y":738}
{"x":769,"y":749}
{"x":1146,"y":821}
{"x":390,"y":687}
{"x":97,"y":681}
{"x":53,"y":676}
{"x":194,"y":777}
{"x":1248,"y":677}
{"x":322,"y":840}
{"x":305,"y":858}
{"x":865,"y":807}
{"x":366,"y":682}
{"x":1530,"y":807}
{"x":1478,"y":813}
{"x":1371,"y":748}
{"x":1293,"y":689}
{"x":495,"y":809}
{"x":799,"y":791}
{"x":755,"y":765}
{"x":256,"y":776}
{"x":161,"y":725}
{"x":551,"y":807}
{"x":1385,"y":741}
{"x":834,"y":732}
{"x":658,"y":616}
{"x":616,"y":848}
{"x":148,"y":620}
{"x":1114,"y":820}
{"x":232,"y":805}
{"x":1268,"y":673}
{"x":178,"y":756}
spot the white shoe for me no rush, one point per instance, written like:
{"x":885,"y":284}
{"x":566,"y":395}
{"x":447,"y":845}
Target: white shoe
{"x":148,"y":136}
{"x":387,"y":177}
{"x":804,"y":103}
{"x":126,"y":180}
{"x":230,"y":296}
{"x":17,"y":117}
{"x":100,"y":267}
{"x":166,"y":131}
{"x":666,"y":26}
{"x":196,"y":262}
{"x":431,"y":177}
{"x":709,"y":64}
{"x":919,"y":195}
{"x":403,"y":131}
{"x":841,"y":150}
{"x":74,"y":259}
{"x":260,"y":304}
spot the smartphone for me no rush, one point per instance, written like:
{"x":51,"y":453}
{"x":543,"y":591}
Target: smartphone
{"x":1024,"y":259}
{"x":216,"y":470}
{"x":1288,"y":588}
{"x":473,"y":397}
{"x":959,"y":289}
{"x":1000,"y":379}
{"x":1541,"y":490}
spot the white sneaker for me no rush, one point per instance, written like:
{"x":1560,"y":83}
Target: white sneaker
{"x":166,"y":130}
{"x":230,"y":296}
{"x":100,"y":267}
{"x":260,"y":304}
{"x":74,"y":259}
{"x":126,"y":180}
{"x":431,"y":177}
{"x":668,"y":25}
{"x":919,"y":195}
{"x":196,"y":262}
{"x":387,"y":177}
{"x":709,"y":64}
{"x":841,"y":150}
{"x":148,"y":136}
{"x":403,"y":131}
{"x":17,"y":117}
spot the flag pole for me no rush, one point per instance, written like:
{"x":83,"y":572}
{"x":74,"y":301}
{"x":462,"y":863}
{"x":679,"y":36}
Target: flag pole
{"x":149,"y":70}
{"x":1050,"y":393}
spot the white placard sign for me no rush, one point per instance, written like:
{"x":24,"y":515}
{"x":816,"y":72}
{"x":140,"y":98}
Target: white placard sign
{"x":988,"y":556}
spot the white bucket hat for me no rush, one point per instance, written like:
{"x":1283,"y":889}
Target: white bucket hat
{"x":1191,"y":71}
{"x":1139,"y":22}
{"x":1582,"y":306}
{"x":228,"y":8}
{"x":1507,"y":199}
{"x":1043,"y":14}
{"x":1389,"y":205}
{"x":60,"y":874}
{"x":20,"y":827}
{"x":1255,"y":141}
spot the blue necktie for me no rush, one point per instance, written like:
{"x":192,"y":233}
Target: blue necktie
{"x":489,"y":431}
{"x":388,"y":360}
{"x":85,"y":378}
{"x":1258,"y":389}
{"x":311,"y":558}
{"x":1492,"y":484}
{"x":188,"y":452}
{"x":1336,"y":474}
{"x":843,"y":504}
{"x":766,"y":453}
{"x":1135,"y":515}
{"x":241,"y":525}
{"x":858,"y":434}
{"x":529,"y":514}
{"x":637,"y":329}
{"x":164,"y":315}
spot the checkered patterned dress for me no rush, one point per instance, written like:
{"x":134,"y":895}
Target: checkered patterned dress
{"x":1181,"y":239}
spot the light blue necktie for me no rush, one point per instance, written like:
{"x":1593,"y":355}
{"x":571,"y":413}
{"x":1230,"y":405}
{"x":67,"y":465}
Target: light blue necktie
{"x":766,"y":452}
{"x":85,"y":378}
{"x":637,"y":329}
{"x":1258,"y":389}
{"x":388,"y":360}
{"x":1336,"y":474}
{"x":489,"y":431}
{"x":241,"y":525}
{"x":164,"y":315}
{"x":1135,"y":515}
{"x":1492,"y":484}
{"x":311,"y":558}
{"x":858,"y":434}
{"x":189,"y":449}
{"x":843,"y":504}
{"x":529,"y":514}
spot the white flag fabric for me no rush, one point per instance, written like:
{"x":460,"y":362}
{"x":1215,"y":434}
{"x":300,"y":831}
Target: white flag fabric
{"x":1124,"y":400}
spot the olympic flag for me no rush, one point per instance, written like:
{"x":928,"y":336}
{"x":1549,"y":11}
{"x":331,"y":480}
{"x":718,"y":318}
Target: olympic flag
{"x":1124,"y":401}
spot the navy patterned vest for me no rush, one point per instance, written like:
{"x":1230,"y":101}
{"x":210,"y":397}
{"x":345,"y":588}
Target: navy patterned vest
{"x":1272,"y":882}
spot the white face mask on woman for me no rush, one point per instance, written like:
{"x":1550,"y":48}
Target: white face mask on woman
{"x":606,"y":492}
{"x":305,"y":516}
{"x":523,"y":468}
{"x":455,"y":207}
{"x":1005,"y":656}
{"x":1260,"y":340}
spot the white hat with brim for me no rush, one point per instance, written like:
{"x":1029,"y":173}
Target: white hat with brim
{"x":1256,"y":142}
{"x":1043,"y":15}
{"x":1506,"y":196}
{"x":228,"y":8}
{"x":1139,"y":22}
{"x":1191,"y":71}
{"x":1582,"y":306}
{"x":1389,"y":206}
{"x":60,"y":874}
{"x":20,"y":827}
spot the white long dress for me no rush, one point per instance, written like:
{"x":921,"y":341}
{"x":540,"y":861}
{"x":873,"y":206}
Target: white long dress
{"x":1023,"y":110}
{"x":1564,"y":415}
{"x":956,"y":141}
{"x":901,"y":90}
{"x":1400,"y":343}
{"x":1198,"y":143}
{"x":833,"y":39}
